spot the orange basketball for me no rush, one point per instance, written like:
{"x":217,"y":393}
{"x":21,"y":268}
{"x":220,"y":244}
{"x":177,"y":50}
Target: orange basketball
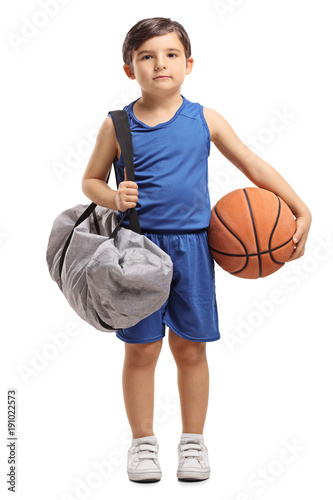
{"x":250,"y":234}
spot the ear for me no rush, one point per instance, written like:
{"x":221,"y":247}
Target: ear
{"x":189,"y":65}
{"x":129,"y":72}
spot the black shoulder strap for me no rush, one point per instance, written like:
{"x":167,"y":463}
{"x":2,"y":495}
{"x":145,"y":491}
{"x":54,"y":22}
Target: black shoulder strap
{"x":123,"y":133}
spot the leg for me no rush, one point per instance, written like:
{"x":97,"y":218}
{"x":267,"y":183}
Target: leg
{"x":193,"y":381}
{"x":138,"y":386}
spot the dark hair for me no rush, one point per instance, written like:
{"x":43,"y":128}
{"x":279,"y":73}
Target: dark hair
{"x":148,"y":28}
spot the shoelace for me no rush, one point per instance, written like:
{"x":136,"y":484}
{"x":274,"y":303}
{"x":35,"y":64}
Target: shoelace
{"x":190,"y":450}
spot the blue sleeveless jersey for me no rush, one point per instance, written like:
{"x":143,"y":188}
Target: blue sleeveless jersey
{"x":171,"y":170}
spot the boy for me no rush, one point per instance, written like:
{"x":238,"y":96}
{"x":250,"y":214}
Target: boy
{"x":171,"y":144}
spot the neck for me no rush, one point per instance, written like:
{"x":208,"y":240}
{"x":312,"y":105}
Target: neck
{"x":153,"y":102}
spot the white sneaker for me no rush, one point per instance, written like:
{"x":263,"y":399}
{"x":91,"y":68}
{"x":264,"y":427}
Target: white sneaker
{"x":193,"y":463}
{"x":142,"y":461}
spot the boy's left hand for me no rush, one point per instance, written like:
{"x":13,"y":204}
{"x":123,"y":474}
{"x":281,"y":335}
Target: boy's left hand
{"x":303,"y":223}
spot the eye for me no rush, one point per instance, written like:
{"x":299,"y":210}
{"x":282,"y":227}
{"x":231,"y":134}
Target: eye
{"x":146,"y":57}
{"x":172,"y":55}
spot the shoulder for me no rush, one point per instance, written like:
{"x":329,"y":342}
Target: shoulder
{"x":215,"y":122}
{"x":106,"y":136}
{"x":107,"y":125}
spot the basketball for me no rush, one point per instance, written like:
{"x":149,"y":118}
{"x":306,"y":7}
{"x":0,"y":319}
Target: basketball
{"x":250,"y":234}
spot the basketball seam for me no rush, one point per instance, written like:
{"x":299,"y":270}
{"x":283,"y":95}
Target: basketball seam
{"x":271,"y":236}
{"x":255,"y":233}
{"x":235,"y":235}
{"x":252,"y":254}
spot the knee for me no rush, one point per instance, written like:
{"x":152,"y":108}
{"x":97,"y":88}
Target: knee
{"x":143,"y":355}
{"x":188,"y":352}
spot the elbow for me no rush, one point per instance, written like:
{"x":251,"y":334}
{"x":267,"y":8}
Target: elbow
{"x":85,"y":186}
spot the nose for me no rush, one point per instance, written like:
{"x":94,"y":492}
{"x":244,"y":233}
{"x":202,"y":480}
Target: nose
{"x":160,"y":64}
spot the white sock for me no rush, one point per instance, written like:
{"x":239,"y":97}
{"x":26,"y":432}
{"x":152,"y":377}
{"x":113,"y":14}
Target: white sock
{"x":135,"y":441}
{"x":189,"y":435}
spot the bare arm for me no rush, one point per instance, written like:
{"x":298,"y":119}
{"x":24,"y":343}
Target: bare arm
{"x":260,"y":173}
{"x":94,"y":183}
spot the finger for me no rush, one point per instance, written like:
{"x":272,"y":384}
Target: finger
{"x":131,"y":199}
{"x":294,"y":254}
{"x":300,"y":228}
{"x":132,"y":189}
{"x":125,"y":174}
{"x":297,"y":236}
{"x":126,"y":191}
{"x":129,"y":187}
{"x":130,"y":193}
{"x":298,"y":252}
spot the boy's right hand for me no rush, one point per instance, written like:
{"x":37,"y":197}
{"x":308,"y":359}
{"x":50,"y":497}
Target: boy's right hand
{"x":127,"y":195}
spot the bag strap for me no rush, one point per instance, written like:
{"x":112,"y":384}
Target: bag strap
{"x":123,"y":133}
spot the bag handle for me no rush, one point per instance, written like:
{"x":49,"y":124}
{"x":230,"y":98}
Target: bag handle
{"x":123,"y":133}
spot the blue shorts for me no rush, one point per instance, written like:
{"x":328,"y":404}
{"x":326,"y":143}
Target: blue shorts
{"x":190,"y":310}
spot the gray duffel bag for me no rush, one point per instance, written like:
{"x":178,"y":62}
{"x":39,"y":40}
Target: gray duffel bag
{"x":113,"y":277}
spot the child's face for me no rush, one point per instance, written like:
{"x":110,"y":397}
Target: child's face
{"x":159,"y":64}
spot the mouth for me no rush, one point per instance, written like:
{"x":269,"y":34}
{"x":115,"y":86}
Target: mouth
{"x":162,"y":77}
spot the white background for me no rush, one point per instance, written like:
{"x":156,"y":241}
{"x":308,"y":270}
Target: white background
{"x":271,"y":387}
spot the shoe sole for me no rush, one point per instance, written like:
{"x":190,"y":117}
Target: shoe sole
{"x":193,"y":475}
{"x":144,"y":477}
